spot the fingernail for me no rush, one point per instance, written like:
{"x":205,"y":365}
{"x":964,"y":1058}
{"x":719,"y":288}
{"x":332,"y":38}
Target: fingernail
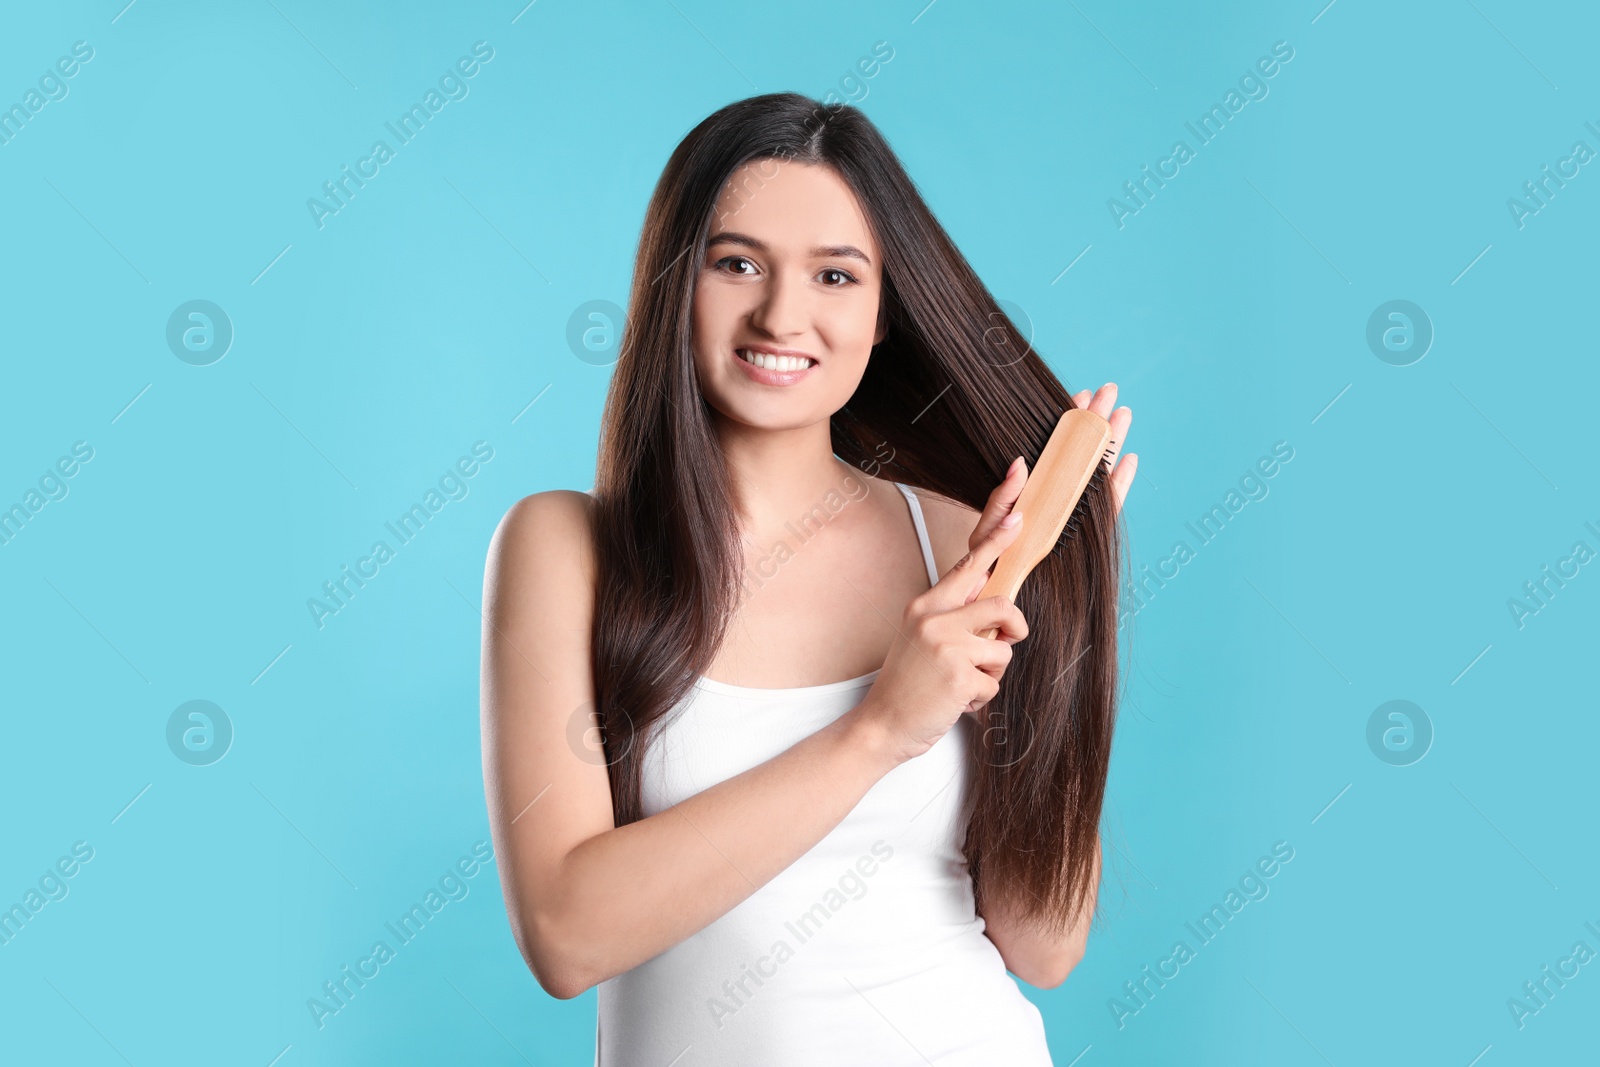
{"x":1011,"y":520}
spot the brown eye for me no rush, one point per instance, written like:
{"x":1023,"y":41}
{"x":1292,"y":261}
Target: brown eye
{"x":733,"y":259}
{"x":834,"y":270}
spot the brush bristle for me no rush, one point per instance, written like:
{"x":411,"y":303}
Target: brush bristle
{"x":1095,"y":485}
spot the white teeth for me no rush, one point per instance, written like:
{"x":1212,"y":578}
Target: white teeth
{"x":778,"y":363}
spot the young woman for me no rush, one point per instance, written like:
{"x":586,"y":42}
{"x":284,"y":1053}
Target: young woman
{"x":731,"y":773}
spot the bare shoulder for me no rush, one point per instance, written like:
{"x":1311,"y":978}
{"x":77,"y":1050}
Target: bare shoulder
{"x":544,"y":543}
{"x":551,"y":501}
{"x":556,"y":519}
{"x":950,"y":525}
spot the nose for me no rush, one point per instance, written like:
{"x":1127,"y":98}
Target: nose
{"x":781,"y":311}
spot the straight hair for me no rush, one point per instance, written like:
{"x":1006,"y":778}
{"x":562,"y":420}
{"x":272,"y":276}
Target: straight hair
{"x":950,"y":396}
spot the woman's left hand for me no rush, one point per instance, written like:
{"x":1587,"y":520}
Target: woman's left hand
{"x":1123,"y":468}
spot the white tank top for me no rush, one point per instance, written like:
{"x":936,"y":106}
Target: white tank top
{"x":867,"y":949}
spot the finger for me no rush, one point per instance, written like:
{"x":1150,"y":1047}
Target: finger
{"x":1105,"y":398}
{"x":990,"y":656}
{"x":1081,"y":399}
{"x":1122,"y":478}
{"x":993,"y":618}
{"x":975,"y":707}
{"x":1001,"y":500}
{"x":966,"y":579}
{"x":1120,"y":420}
{"x":1121,"y":472}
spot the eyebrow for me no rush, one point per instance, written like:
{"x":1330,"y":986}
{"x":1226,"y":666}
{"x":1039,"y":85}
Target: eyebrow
{"x":821,"y":252}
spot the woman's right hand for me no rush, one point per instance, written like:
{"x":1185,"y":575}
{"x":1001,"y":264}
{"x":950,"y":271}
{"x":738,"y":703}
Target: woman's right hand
{"x":938,"y":667}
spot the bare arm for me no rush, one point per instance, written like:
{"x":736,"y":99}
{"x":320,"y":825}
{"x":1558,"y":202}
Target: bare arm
{"x":588,"y":900}
{"x":1042,"y":961}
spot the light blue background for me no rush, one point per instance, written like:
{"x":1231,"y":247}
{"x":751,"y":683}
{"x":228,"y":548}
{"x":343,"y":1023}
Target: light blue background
{"x":428,"y":314}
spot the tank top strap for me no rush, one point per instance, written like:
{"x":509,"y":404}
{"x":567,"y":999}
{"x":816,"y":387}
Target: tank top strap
{"x":922,"y":532}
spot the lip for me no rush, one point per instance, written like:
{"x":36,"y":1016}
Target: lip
{"x":765,"y":376}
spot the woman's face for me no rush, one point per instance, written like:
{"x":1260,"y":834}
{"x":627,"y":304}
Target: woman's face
{"x":791,"y":274}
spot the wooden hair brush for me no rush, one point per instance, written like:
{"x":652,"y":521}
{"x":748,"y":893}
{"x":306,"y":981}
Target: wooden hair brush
{"x":1077,"y":447}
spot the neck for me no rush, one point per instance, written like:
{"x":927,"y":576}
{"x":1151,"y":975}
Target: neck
{"x":776,"y":475}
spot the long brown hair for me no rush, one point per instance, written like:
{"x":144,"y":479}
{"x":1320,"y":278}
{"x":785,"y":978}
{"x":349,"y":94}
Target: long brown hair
{"x":950,"y":396}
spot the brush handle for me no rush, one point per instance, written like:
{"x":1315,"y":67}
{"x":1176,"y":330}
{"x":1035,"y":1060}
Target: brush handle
{"x":1076,"y":448}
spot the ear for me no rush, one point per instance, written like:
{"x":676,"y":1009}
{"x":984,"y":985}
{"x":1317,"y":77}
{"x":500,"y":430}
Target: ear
{"x":883,"y":325}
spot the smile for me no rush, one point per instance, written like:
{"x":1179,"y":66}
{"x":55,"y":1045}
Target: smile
{"x":764,"y":368}
{"x":771,"y":362}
